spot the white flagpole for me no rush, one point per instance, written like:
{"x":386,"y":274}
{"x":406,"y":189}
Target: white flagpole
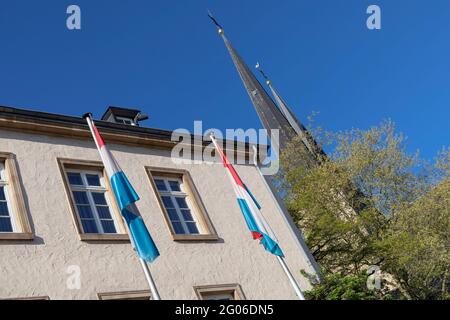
{"x":151,"y":282}
{"x":283,"y":264}
{"x":148,"y":275}
{"x":294,"y":283}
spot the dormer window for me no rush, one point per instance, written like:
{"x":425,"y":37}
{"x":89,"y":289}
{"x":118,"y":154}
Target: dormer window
{"x":130,"y":117}
{"x":124,"y":120}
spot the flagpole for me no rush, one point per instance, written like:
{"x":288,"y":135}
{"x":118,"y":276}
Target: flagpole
{"x":283,"y":264}
{"x":294,"y":232}
{"x":294,"y":283}
{"x":151,"y":282}
{"x":145,"y":268}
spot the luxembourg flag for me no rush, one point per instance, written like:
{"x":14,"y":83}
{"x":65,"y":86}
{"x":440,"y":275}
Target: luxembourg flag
{"x":126,"y":198}
{"x":250,"y":208}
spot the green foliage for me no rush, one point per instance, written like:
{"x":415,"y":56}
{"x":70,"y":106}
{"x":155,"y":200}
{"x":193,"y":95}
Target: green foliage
{"x":416,"y":246}
{"x":336,"y":237}
{"x":377,"y":163}
{"x":344,"y":287}
{"x":372,"y":203}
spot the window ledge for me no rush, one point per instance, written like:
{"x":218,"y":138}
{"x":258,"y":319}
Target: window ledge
{"x":104,"y":237}
{"x":195,"y":237}
{"x":16,"y":236}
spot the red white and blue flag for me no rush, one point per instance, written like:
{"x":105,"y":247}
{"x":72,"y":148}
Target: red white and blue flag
{"x":126,"y":197}
{"x":250,"y":208}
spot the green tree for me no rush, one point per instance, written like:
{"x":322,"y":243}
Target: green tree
{"x":416,"y":245}
{"x":370,"y":202}
{"x":345,"y":287}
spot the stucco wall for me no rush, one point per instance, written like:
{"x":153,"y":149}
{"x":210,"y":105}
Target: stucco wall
{"x":39,"y":268}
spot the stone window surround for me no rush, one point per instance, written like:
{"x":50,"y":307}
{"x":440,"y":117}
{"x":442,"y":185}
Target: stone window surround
{"x":65,"y":164}
{"x":17,"y":200}
{"x":125,"y":295}
{"x":234,"y":289}
{"x":37,"y":298}
{"x":200,"y":211}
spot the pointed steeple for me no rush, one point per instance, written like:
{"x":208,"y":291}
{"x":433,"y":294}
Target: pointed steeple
{"x":269,"y":114}
{"x":298,"y":127}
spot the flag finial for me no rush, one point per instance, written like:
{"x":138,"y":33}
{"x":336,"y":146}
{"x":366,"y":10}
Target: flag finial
{"x":219,"y":27}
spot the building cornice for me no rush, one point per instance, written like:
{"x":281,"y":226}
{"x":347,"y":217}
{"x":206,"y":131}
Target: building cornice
{"x":76,"y":127}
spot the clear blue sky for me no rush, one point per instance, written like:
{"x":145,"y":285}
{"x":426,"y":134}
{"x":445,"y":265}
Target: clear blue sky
{"x":164,"y":57}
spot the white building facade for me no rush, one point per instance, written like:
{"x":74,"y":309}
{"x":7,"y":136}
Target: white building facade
{"x":62,"y":237}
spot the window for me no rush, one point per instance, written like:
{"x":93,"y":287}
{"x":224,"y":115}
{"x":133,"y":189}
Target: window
{"x":14,"y":224}
{"x":126,"y":295}
{"x":124,"y":120}
{"x":220,"y":292}
{"x":6,"y":220}
{"x":222,"y":296}
{"x":89,"y":194}
{"x":175,"y":201}
{"x":181,"y":204}
{"x":96,"y":215}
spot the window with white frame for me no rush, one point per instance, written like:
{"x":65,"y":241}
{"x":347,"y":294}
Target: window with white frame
{"x":91,"y":201}
{"x":7,"y":224}
{"x":177,"y":204}
{"x":124,"y":120}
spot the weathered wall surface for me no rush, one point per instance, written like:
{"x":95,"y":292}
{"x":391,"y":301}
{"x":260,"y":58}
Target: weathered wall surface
{"x":38,"y":268}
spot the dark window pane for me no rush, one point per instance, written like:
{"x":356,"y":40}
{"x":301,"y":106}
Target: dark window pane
{"x":89,"y":226}
{"x":192,"y":226}
{"x":160,"y":185}
{"x":182,"y":203}
{"x":172,"y":214}
{"x":124,"y":120}
{"x":85,"y":212}
{"x":219,"y":298}
{"x":5,"y":225}
{"x":3,"y":209}
{"x":93,"y":180}
{"x":2,"y":193}
{"x":167,"y":202}
{"x":108,"y":226}
{"x":175,"y":185}
{"x":75,"y":178}
{"x":99,"y":198}
{"x":187,"y":215}
{"x":103,"y":212}
{"x":178,"y":228}
{"x":80,"y":197}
